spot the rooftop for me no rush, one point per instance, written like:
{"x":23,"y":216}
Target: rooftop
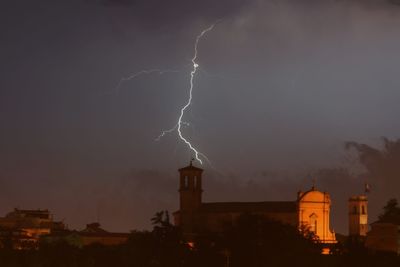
{"x":190,"y":167}
{"x":242,"y":207}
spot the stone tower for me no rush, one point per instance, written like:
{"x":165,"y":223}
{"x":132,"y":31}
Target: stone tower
{"x":190,"y":188}
{"x":190,"y":191}
{"x":358,"y":216}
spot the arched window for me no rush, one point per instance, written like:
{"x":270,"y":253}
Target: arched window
{"x":195,"y":182}
{"x":363,"y":209}
{"x":313,"y":223}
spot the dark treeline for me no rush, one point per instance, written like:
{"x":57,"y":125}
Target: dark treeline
{"x":253,"y":241}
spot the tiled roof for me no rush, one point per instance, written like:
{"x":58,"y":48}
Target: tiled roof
{"x":242,"y":207}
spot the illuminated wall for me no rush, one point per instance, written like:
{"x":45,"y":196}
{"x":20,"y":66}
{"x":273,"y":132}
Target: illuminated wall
{"x":358,"y":216}
{"x":314,"y":214}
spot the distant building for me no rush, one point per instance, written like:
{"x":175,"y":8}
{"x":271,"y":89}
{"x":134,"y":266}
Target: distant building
{"x":358,"y":216}
{"x":23,"y":228}
{"x":92,"y":234}
{"x":16,"y":239}
{"x":384,"y":237}
{"x":311,"y":210}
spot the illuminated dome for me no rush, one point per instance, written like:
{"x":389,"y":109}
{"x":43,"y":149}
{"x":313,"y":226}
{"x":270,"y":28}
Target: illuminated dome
{"x":313,"y":195}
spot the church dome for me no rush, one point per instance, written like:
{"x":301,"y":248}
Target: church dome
{"x":313,"y":195}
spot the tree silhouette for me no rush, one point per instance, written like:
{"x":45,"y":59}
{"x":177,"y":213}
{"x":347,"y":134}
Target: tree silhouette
{"x":254,"y":240}
{"x":391,"y":212}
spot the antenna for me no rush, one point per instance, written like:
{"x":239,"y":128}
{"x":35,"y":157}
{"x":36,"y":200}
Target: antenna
{"x":367,"y":188}
{"x":313,"y":180}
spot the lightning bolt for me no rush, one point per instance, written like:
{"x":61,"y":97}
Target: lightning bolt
{"x":165,"y":132}
{"x":180,"y":122}
{"x":140,"y":73}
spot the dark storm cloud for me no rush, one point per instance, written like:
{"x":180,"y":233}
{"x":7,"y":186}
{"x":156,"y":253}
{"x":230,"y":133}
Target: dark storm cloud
{"x":159,"y":12}
{"x":382,"y":165}
{"x":166,"y":11}
{"x":394,"y":2}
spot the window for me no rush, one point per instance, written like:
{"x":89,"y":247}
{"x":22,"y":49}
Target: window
{"x":186,"y":180}
{"x":313,"y":223}
{"x":354,"y":210}
{"x":363,"y":209}
{"x":195,"y":182}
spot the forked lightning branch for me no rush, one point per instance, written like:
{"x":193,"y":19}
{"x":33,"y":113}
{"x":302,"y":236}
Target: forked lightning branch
{"x":178,"y":126}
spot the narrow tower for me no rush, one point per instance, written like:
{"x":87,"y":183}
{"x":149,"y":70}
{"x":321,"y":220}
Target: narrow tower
{"x":190,"y":188}
{"x":190,"y":191}
{"x":358,"y":216}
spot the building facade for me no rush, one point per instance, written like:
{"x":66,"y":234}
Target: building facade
{"x":23,"y":228}
{"x":311,"y":209}
{"x":358,"y":216}
{"x":92,"y":234}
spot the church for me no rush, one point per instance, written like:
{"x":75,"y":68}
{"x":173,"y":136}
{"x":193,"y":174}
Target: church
{"x":311,"y":209}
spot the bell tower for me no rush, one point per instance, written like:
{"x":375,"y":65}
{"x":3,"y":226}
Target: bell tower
{"x":358,"y":216}
{"x":190,"y":192}
{"x":190,"y":189}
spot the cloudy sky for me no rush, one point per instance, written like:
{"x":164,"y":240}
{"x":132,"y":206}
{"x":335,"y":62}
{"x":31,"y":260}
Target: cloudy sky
{"x":282,"y":84}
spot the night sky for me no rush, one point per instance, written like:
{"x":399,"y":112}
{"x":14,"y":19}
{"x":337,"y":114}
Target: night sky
{"x":282,"y":85}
